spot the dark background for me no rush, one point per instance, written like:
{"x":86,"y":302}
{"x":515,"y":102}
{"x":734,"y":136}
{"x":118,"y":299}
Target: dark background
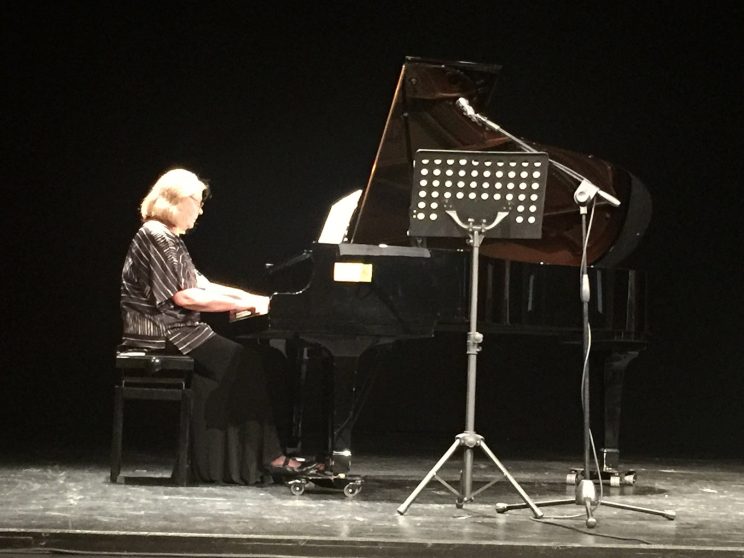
{"x":281,"y":108}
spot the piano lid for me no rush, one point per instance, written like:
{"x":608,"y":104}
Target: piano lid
{"x":423,"y":115}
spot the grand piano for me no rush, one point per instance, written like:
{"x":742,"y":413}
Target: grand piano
{"x":378,"y":285}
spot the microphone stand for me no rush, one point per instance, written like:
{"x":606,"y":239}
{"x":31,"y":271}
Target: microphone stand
{"x":585,"y":492}
{"x":585,"y":192}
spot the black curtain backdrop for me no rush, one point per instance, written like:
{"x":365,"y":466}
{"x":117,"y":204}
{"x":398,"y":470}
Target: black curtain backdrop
{"x":282,"y":109}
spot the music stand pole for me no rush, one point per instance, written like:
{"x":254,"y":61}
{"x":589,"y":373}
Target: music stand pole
{"x":469,"y":439}
{"x":586,"y":495}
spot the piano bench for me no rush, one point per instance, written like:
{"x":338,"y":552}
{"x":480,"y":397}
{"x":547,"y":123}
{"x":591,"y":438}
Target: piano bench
{"x":156,"y":377}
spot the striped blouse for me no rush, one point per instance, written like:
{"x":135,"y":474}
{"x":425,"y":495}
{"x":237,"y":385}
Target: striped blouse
{"x":156,"y":267}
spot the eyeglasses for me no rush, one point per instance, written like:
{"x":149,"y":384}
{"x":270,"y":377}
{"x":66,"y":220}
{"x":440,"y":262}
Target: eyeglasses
{"x":199,"y":202}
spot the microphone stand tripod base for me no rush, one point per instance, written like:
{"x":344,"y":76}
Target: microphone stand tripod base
{"x":586,"y":495}
{"x":585,"y":492}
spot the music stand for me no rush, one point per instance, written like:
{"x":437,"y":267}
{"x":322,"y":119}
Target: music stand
{"x":475,"y":194}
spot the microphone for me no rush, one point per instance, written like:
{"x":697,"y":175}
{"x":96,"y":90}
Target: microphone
{"x":463,"y":104}
{"x":586,"y":192}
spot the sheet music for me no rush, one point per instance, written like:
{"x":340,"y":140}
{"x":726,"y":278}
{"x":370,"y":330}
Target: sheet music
{"x":339,"y":216}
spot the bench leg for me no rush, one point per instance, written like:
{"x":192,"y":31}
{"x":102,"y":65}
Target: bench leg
{"x":117,"y":434}
{"x":183,"y":439}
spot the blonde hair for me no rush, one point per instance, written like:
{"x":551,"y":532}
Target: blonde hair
{"x":161,"y":201}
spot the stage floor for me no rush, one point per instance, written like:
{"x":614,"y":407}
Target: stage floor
{"x":66,"y":503}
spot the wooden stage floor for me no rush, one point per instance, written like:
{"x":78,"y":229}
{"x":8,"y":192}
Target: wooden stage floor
{"x":65,"y":503}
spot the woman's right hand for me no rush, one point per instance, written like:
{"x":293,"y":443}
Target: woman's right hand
{"x":258,"y":304}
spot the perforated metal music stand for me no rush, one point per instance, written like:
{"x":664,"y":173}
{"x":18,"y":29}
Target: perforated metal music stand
{"x":475,"y":195}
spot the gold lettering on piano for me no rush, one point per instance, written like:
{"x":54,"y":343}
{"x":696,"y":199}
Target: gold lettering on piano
{"x":352,"y":272}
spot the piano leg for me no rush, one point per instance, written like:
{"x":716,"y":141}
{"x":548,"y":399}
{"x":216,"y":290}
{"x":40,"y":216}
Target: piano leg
{"x":287,"y":364}
{"x":345,"y":390}
{"x":298,"y":354}
{"x":615,"y":366}
{"x":340,"y":383}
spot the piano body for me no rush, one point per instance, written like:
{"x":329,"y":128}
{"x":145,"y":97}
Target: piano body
{"x":415,"y":287}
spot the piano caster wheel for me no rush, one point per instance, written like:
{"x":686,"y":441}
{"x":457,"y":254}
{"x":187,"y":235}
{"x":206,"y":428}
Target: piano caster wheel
{"x":573,"y":477}
{"x":352,"y":489}
{"x":628,"y":479}
{"x":297,"y":487}
{"x":459,"y":503}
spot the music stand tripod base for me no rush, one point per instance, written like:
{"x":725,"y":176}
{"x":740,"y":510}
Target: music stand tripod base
{"x":475,"y":195}
{"x":468,"y":440}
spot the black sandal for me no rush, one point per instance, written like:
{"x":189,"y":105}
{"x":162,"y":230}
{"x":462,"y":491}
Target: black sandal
{"x":284,"y":470}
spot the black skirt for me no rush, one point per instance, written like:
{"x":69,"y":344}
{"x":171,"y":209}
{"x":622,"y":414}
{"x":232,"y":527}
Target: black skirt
{"x":234,"y":435}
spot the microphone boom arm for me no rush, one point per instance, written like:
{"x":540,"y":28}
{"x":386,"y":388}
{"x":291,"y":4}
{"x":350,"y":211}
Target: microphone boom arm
{"x":585,"y":184}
